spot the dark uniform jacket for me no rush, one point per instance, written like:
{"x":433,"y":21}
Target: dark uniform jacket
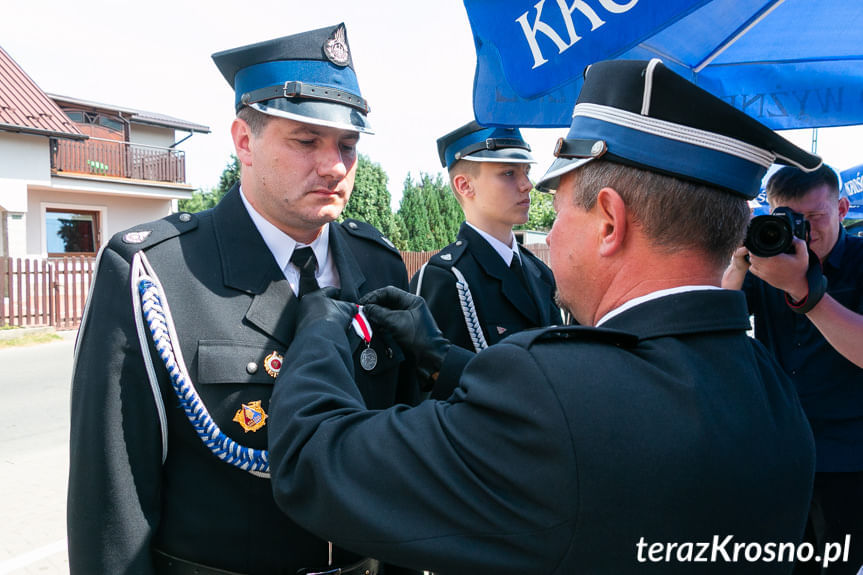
{"x":561,"y":450}
{"x":232,"y":307}
{"x":501,"y":304}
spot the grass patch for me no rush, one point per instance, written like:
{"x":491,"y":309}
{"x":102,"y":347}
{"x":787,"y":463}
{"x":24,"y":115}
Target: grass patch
{"x":5,"y":327}
{"x":29,"y":339}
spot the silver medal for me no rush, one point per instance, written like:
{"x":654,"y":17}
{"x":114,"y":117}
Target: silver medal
{"x":368,"y":359}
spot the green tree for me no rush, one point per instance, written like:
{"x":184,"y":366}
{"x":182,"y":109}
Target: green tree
{"x":445,"y":215}
{"x":414,"y":219}
{"x":429,"y":213}
{"x":541,"y":215}
{"x":370,"y":200}
{"x":202,"y":200}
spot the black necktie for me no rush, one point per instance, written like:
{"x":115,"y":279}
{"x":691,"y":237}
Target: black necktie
{"x":304,"y":259}
{"x":515,"y":266}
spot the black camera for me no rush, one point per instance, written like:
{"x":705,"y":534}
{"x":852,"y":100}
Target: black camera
{"x":774,"y":234}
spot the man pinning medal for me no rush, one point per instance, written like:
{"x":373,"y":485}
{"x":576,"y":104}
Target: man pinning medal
{"x":576,"y":449}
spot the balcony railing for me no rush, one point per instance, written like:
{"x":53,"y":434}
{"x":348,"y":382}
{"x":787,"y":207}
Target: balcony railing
{"x":99,"y":157}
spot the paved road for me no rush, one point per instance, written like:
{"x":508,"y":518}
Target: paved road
{"x":34,"y":457}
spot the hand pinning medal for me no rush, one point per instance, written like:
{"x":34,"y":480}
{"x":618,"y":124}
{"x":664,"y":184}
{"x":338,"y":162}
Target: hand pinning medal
{"x":362,"y":327}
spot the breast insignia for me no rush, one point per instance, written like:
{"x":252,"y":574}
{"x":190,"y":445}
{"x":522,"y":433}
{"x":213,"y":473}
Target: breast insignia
{"x":251,"y":416}
{"x":273,"y":363}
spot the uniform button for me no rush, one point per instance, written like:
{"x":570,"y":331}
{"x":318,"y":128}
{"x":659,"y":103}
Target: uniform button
{"x":458,"y":243}
{"x":352,"y":225}
{"x":252,"y":367}
{"x":184,"y":217}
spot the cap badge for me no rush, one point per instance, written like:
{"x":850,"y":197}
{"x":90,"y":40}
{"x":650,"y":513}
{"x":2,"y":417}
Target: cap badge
{"x":251,"y":416}
{"x":136,"y":237}
{"x":336,"y":48}
{"x":273,"y":363}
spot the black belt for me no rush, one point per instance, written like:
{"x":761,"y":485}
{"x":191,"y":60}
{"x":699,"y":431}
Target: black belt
{"x":169,"y":565}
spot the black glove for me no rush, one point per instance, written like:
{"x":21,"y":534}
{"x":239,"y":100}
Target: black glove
{"x":320,"y":305}
{"x":408,"y":319}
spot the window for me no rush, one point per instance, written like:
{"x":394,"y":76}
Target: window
{"x":88,"y":117}
{"x":71,"y":232}
{"x":111,"y":123}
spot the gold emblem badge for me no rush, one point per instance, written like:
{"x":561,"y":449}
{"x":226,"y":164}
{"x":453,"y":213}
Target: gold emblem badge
{"x":251,"y":416}
{"x":273,"y":363}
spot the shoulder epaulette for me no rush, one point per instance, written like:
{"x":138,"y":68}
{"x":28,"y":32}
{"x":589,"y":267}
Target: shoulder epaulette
{"x":448,"y":256}
{"x":367,"y":231}
{"x":144,"y":236}
{"x":575,"y":332}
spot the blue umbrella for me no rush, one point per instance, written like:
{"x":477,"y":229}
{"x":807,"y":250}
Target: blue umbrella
{"x":788,"y":63}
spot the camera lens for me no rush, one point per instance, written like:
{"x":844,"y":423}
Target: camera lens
{"x":768,"y":236}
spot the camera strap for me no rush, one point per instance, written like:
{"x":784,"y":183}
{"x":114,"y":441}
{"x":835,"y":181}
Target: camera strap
{"x":817,"y":287}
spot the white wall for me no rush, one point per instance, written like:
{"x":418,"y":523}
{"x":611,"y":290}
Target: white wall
{"x":116,"y":213}
{"x":16,"y":230}
{"x":24,"y":159}
{"x":151,"y":135}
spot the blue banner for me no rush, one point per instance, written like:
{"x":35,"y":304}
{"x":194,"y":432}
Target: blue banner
{"x":852,"y":187}
{"x":790,"y":64}
{"x":541,"y":42}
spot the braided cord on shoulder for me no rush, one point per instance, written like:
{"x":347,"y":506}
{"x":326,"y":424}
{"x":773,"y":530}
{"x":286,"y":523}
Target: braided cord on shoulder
{"x":161,"y":326}
{"x":468,"y":309}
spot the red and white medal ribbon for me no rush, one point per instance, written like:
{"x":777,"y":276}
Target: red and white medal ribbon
{"x":362,"y":327}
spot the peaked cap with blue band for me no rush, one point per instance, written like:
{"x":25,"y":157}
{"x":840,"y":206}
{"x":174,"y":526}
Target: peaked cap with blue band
{"x":308,"y":77}
{"x":642,"y":114}
{"x":479,"y":144}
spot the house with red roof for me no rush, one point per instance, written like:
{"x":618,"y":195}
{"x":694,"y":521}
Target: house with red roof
{"x":74,"y":172}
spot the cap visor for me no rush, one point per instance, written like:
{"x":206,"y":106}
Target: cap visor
{"x":503,"y":155}
{"x":317,"y":113}
{"x":551,"y":180}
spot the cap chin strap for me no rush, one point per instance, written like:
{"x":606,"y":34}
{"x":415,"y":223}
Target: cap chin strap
{"x":303,"y":90}
{"x":492,"y":144}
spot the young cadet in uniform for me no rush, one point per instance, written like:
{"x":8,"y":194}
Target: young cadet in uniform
{"x":187,"y":324}
{"x":484,"y":286}
{"x":630,"y":446}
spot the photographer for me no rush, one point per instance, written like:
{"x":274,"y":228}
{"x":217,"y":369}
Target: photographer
{"x":817,"y":337}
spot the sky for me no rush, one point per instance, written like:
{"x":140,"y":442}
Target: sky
{"x":414,"y":60}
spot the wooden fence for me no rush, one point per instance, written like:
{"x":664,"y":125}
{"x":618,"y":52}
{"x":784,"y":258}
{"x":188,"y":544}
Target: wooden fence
{"x":53,"y":292}
{"x":44,"y":292}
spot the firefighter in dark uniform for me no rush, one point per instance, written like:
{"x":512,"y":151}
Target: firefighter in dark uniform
{"x":655,"y":437}
{"x":187,"y":324}
{"x":484,"y":286}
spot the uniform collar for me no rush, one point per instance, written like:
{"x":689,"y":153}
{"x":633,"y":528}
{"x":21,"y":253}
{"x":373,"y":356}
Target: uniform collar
{"x":651,"y":296}
{"x":690,"y":311}
{"x":282,"y":245}
{"x":506,"y":252}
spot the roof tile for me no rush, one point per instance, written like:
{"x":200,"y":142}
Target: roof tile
{"x":24,"y":107}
